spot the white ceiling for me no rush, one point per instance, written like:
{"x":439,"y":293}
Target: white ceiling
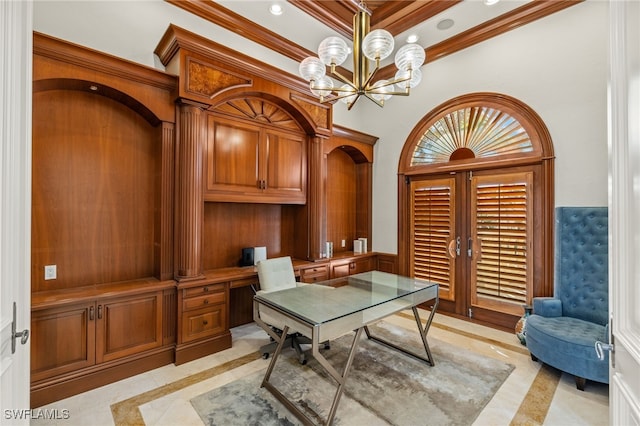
{"x":307,"y":32}
{"x":132,"y":29}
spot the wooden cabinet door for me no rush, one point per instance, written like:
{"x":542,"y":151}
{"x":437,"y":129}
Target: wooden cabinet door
{"x":253,"y":163}
{"x":361,"y":265}
{"x":342,"y":268}
{"x":286,"y":168}
{"x":232,"y":159}
{"x":128,"y":325}
{"x":204,"y":322}
{"x":62,"y":340}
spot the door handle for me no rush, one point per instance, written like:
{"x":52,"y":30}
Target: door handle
{"x":477,"y":253}
{"x":601,"y":347}
{"x":23,"y":335}
{"x":454,"y":248}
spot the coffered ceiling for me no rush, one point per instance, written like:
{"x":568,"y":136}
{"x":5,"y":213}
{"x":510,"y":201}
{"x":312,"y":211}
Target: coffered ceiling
{"x":443,"y":26}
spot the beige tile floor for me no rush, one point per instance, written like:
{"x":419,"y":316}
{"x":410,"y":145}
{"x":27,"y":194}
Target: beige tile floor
{"x":532,"y":395}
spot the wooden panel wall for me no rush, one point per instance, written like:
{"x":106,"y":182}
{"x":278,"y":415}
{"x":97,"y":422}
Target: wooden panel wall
{"x":96,"y":190}
{"x":341,"y":200}
{"x":228,"y":227}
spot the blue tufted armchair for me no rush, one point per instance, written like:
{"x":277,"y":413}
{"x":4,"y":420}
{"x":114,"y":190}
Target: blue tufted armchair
{"x":562,"y":330}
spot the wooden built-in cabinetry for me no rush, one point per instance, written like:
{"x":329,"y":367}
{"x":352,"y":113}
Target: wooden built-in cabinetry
{"x":343,"y":268}
{"x":249,"y":162}
{"x":147,"y":186}
{"x":315,"y":273}
{"x":102,"y":213}
{"x":202,"y":320}
{"x":204,"y":311}
{"x":86,"y":337}
{"x":347,"y":206}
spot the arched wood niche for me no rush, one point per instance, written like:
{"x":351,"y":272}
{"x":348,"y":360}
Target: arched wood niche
{"x":348,"y":163}
{"x":103,"y":141}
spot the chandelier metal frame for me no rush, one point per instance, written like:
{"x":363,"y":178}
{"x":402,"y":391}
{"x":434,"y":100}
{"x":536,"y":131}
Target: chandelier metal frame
{"x":376,"y":47}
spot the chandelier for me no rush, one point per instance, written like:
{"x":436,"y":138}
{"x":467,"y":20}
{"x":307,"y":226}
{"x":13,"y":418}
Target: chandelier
{"x":368,"y":46}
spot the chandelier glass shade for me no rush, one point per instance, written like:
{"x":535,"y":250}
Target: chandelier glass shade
{"x":373,"y":46}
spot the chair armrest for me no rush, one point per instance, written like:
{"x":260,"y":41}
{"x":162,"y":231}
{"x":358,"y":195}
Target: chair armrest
{"x":547,"y":306}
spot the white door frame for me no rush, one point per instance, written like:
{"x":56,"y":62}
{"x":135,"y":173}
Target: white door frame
{"x":624,"y":211}
{"x":16,"y":35}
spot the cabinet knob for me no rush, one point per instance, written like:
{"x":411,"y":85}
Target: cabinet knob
{"x":205,"y":322}
{"x":205,"y":289}
{"x":206,"y":302}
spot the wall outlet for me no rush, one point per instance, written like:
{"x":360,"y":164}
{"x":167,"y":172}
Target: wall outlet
{"x":344,"y":243}
{"x":50,"y":272}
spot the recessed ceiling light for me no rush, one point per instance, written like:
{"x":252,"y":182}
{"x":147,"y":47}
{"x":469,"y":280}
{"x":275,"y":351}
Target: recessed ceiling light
{"x":412,"y":38}
{"x":490,"y":2}
{"x":445,"y":24}
{"x":275,"y":9}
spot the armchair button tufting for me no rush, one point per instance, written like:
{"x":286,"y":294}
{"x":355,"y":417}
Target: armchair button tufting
{"x":581,"y":285}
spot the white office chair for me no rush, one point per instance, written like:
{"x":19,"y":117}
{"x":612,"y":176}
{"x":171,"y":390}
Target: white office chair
{"x":274,"y":275}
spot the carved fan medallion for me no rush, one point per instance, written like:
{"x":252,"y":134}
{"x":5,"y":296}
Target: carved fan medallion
{"x":259,"y":110}
{"x":471,"y":132}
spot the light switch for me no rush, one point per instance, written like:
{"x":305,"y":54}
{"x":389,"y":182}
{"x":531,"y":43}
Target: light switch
{"x":50,"y":272}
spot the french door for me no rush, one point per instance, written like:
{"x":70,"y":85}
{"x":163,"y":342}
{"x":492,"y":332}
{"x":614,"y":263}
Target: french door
{"x":473,"y":234}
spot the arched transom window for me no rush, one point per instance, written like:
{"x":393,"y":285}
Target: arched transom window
{"x":471,"y":132}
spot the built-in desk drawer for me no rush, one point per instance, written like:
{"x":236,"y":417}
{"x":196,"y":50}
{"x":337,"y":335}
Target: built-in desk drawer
{"x":203,"y":301}
{"x":204,"y":311}
{"x":314,"y":274}
{"x":204,"y":289}
{"x":203,"y":322}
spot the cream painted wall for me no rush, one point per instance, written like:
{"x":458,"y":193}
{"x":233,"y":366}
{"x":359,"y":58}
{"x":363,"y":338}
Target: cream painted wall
{"x":556,"y":65}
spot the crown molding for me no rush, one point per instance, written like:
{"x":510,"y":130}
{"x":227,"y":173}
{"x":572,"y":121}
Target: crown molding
{"x":390,"y":15}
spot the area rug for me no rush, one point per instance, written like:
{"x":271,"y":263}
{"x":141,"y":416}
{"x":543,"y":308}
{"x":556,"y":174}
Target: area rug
{"x":384,"y":387}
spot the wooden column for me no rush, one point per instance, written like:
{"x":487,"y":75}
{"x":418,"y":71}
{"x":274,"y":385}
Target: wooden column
{"x":164,"y":239}
{"x":189,"y":198}
{"x":317,"y":193}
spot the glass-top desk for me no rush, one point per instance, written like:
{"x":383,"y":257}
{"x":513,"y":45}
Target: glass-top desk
{"x":329,"y":309}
